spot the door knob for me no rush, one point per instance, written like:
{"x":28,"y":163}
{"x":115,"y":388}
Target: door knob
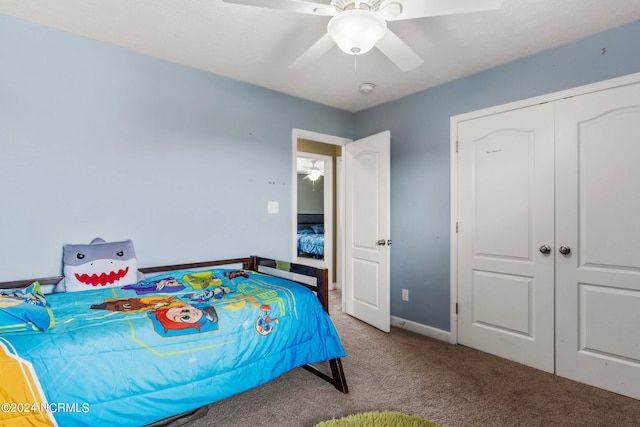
{"x":381,"y":242}
{"x":564,"y":250}
{"x":545,"y":249}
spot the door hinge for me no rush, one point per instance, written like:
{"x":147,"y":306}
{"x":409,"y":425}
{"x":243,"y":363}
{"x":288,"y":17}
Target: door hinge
{"x":456,"y":226}
{"x":456,"y":146}
{"x":456,"y":308}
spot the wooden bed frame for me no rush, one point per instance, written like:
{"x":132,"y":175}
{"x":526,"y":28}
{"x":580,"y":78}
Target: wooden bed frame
{"x":253,"y":263}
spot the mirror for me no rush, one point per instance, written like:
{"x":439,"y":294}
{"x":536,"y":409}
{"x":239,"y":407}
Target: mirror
{"x":310,"y":235}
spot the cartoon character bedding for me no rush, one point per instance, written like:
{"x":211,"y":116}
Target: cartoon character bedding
{"x":168,"y":344}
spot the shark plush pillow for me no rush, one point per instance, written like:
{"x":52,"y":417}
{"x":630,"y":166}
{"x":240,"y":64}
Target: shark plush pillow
{"x":98,"y":265}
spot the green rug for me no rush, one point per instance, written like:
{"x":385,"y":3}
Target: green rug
{"x":379,"y":419}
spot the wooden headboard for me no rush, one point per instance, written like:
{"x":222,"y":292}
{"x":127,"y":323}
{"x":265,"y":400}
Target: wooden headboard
{"x":321,"y":285}
{"x":305,"y":220}
{"x":246,"y":263}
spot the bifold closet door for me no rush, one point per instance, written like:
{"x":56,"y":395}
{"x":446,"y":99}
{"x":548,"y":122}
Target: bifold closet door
{"x":598,"y":222}
{"x":506,"y":235}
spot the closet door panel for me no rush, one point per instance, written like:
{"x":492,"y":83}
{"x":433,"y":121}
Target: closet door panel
{"x":598,"y":217}
{"x":505,"y":202}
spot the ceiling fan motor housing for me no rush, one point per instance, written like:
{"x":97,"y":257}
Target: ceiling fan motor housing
{"x":341,"y":5}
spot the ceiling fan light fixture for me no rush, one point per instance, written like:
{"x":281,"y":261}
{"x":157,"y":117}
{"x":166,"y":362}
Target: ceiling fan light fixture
{"x":314,"y":175}
{"x":356,"y":31}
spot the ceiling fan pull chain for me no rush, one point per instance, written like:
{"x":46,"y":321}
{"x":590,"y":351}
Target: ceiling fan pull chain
{"x":355,"y":51}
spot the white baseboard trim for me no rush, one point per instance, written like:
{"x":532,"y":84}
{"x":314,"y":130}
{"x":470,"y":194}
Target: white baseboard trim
{"x":421,"y":329}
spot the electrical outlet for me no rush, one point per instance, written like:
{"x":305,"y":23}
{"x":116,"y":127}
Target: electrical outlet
{"x":405,"y":295}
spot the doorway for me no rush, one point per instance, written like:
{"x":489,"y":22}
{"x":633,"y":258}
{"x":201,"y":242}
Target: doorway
{"x":360,"y":263}
{"x":326,"y":151}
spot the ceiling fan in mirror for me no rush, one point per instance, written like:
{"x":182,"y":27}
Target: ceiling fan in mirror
{"x":314,"y":172}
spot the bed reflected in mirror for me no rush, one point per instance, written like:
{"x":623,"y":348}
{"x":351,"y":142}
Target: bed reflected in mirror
{"x":310,"y":218}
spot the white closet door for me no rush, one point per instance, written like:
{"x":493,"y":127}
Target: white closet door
{"x":598,"y":218}
{"x":505,"y":204}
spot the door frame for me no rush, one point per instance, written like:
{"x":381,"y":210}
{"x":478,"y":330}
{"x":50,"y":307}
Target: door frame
{"x":297,"y":134}
{"x":454,"y":120}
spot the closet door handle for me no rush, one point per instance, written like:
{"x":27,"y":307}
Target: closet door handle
{"x":564,"y":250}
{"x":545,"y":249}
{"x":381,"y":242}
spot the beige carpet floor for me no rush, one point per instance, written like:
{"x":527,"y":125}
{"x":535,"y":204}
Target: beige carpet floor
{"x":406,"y":372}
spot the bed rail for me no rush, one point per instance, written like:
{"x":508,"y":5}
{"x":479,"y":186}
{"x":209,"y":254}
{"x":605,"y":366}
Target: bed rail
{"x":246,"y":264}
{"x":321,"y":275}
{"x":321,"y":288}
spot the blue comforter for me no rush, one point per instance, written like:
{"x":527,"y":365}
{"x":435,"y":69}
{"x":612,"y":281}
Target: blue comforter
{"x":310,"y":243}
{"x":134,"y":355}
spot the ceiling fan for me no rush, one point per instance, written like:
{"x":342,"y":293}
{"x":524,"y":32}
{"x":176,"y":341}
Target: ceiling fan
{"x":314,"y":172}
{"x":357,"y":26}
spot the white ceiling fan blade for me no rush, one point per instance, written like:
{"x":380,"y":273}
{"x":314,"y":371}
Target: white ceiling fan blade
{"x":314,"y":53}
{"x":412,"y":9}
{"x":399,"y":52}
{"x":299,"y":6}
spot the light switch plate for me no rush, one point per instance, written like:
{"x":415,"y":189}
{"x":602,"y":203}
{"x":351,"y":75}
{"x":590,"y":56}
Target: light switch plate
{"x":273,"y":207}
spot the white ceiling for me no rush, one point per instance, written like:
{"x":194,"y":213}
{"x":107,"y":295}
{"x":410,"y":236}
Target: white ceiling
{"x":256,"y":45}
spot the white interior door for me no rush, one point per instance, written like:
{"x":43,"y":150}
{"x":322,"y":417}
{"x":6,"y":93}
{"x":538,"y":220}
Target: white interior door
{"x":598,"y":219}
{"x":505,"y":218}
{"x":367,"y":239}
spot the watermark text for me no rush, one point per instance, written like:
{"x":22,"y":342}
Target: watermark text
{"x":20,"y":407}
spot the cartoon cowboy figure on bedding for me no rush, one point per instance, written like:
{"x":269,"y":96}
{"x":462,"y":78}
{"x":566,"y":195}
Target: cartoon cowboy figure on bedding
{"x":137,"y":304}
{"x":169,"y":315}
{"x":184,"y":319}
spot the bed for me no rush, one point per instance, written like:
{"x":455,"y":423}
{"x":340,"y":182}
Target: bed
{"x":311,"y":235}
{"x":119,"y":356}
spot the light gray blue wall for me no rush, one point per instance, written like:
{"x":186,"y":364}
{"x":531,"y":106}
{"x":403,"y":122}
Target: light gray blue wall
{"x":98,"y":141}
{"x":419,"y":127}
